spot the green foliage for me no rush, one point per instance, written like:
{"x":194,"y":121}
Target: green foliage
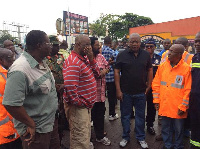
{"x":117,"y":25}
{"x":4,"y":35}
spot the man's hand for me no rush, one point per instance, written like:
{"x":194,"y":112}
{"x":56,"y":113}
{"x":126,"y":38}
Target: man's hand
{"x":180,"y":112}
{"x":30,"y":131}
{"x":119,"y":95}
{"x":104,"y":72}
{"x":147,"y":90}
{"x":89,"y":53}
{"x":157,"y":106}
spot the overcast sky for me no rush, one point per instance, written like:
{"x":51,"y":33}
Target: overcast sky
{"x":42,"y":14}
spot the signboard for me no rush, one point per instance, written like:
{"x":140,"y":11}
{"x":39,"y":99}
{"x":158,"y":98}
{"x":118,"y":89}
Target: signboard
{"x":75,"y":23}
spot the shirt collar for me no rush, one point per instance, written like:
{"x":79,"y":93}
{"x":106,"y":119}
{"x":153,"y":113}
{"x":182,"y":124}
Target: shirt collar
{"x":79,"y":56}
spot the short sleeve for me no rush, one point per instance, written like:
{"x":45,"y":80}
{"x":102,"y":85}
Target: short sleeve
{"x":15,"y":90}
{"x":149,"y":63}
{"x":118,"y":62}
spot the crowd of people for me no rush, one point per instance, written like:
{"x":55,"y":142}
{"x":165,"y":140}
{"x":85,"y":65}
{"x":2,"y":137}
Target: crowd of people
{"x":45,"y":89}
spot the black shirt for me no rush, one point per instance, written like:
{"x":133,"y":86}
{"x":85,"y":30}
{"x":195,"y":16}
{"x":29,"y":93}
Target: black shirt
{"x":134,"y":71}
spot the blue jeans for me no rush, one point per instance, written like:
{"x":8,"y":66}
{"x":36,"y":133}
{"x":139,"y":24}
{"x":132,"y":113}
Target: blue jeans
{"x":126,"y":107}
{"x":170,"y":125}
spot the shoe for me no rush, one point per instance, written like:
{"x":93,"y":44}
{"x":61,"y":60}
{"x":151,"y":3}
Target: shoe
{"x":159,"y":138}
{"x":143,"y":144}
{"x":104,"y":141}
{"x":123,"y":143}
{"x":91,"y":146}
{"x":112,"y":118}
{"x":151,"y":130}
{"x":92,"y":124}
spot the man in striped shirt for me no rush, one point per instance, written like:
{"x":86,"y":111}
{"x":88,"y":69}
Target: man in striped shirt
{"x":79,"y":72}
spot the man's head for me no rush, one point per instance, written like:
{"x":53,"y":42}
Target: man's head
{"x":114,"y":44}
{"x":197,"y":42}
{"x":134,"y":42}
{"x":82,"y":42}
{"x":8,"y":44}
{"x":55,"y":44}
{"x":64,"y":45}
{"x":183,"y":41}
{"x":150,"y":46}
{"x":175,"y":53}
{"x":95,"y":45}
{"x":6,"y":57}
{"x":107,"y":41}
{"x":38,"y":42}
{"x":167,"y":44}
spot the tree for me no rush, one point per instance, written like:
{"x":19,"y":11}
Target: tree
{"x":4,"y":35}
{"x":118,"y":25}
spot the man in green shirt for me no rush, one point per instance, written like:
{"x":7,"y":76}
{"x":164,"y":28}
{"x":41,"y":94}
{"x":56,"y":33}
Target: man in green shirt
{"x":30,"y":93}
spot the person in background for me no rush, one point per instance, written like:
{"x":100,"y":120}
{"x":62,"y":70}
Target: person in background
{"x":171,"y":88}
{"x":166,"y":45}
{"x":8,"y":44}
{"x":110,"y":56}
{"x":9,"y":138}
{"x":30,"y":94}
{"x":133,"y":77}
{"x":63,"y":49}
{"x":98,"y":110}
{"x":151,"y":111}
{"x":79,"y":71}
{"x":194,"y":103}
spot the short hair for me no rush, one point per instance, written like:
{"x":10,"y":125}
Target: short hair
{"x":183,"y":41}
{"x":93,"y":39}
{"x":151,"y":41}
{"x":34,"y":37}
{"x":107,"y":40}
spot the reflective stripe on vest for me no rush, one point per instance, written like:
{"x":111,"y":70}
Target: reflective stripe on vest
{"x":2,"y":122}
{"x":195,"y":143}
{"x":186,"y":57}
{"x":163,"y":83}
{"x":3,"y":75}
{"x":197,"y":65}
{"x":165,"y":57}
{"x":177,"y":86}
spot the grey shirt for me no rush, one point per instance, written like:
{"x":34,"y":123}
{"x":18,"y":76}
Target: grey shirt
{"x":32,"y":86}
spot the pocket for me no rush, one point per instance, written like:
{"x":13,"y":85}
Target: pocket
{"x":45,"y":87}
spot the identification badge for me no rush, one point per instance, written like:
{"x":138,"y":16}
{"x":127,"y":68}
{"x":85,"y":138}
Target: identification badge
{"x":179,"y":80}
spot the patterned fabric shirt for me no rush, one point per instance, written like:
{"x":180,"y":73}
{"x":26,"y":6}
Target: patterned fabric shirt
{"x":101,"y":82}
{"x":109,"y":53}
{"x":79,"y":80}
{"x":55,"y":63}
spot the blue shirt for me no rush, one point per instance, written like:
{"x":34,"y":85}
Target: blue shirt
{"x":155,"y":62}
{"x":161,"y":52}
{"x":108,"y":53}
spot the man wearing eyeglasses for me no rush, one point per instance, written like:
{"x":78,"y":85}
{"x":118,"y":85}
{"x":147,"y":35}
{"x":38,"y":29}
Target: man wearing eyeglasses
{"x":171,"y":88}
{"x":30,"y":94}
{"x":151,"y":111}
{"x":8,"y":44}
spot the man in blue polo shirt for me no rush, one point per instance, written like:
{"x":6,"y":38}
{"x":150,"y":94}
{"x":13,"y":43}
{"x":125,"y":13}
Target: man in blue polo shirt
{"x":136,"y":71}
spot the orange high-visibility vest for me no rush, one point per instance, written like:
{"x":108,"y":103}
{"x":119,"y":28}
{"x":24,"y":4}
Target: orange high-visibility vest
{"x":171,"y":88}
{"x":187,"y":57}
{"x":7,"y":131}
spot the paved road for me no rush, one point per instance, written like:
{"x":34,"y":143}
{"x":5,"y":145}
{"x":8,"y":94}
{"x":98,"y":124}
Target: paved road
{"x":114,"y":130}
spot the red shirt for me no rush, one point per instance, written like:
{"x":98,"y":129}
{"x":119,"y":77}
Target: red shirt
{"x":101,"y":82}
{"x":80,"y":84}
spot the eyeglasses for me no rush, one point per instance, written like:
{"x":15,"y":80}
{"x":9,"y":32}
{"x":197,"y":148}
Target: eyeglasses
{"x":149,"y":46}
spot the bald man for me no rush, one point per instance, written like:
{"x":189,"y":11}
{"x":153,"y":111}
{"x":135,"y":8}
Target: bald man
{"x":79,"y":72}
{"x":9,"y":138}
{"x":194,"y":110}
{"x":8,"y":44}
{"x":171,"y":88}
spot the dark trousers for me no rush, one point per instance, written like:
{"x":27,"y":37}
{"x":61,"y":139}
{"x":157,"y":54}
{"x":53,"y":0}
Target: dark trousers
{"x":151,"y":111}
{"x":112,"y":99}
{"x":17,"y":144}
{"x":48,"y":140}
{"x":98,"y":112}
